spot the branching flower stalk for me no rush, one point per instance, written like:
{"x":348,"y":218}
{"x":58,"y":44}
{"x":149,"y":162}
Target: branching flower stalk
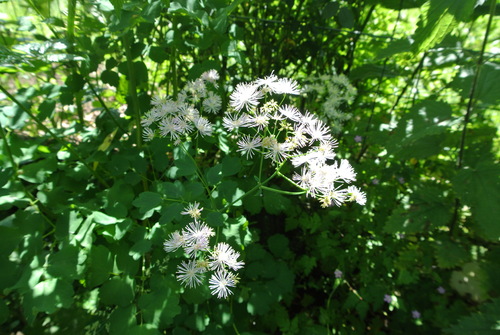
{"x":260,"y":129}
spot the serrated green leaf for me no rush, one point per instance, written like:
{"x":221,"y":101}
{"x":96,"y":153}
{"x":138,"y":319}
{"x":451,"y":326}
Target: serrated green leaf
{"x":450,"y":254}
{"x":479,"y":188}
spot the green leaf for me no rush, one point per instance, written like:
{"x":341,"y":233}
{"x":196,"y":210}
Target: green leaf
{"x":275,"y":203}
{"x":439,"y":20}
{"x":117,"y":291}
{"x":147,"y":201}
{"x":171,"y":212}
{"x":103,"y":219}
{"x":50,"y":295}
{"x":450,"y":254}
{"x":428,"y":209}
{"x":122,"y":319}
{"x":230,"y":165}
{"x":479,"y":188}
{"x":139,"y":249}
{"x":100,"y":265}
{"x":161,"y":305}
{"x":483,"y":322}
{"x":214,"y":175}
{"x":66,"y":263}
{"x":216,"y":219}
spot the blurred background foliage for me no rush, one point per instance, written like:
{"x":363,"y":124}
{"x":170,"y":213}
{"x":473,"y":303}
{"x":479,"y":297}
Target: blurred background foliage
{"x":83,"y":213}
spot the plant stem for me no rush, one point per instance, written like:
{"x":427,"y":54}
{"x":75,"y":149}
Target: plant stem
{"x":132,"y":88}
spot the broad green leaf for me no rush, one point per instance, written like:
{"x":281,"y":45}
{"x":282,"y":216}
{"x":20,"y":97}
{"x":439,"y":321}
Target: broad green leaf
{"x":147,"y":201}
{"x":171,"y":212}
{"x":231,"y":165}
{"x":122,"y":319}
{"x":100,"y":265}
{"x":117,"y":291}
{"x":214,"y":174}
{"x":50,"y":295}
{"x":67,"y":263}
{"x":484,"y":321}
{"x":161,"y":305}
{"x":140,"y":248}
{"x":216,"y":219}
{"x":103,"y":219}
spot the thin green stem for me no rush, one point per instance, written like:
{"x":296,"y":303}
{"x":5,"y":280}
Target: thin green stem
{"x":132,"y":87}
{"x":200,"y":176}
{"x":275,"y":190}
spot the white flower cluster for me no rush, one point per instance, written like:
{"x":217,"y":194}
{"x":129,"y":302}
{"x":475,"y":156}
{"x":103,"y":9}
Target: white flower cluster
{"x":221,"y":259}
{"x":332,"y":92}
{"x":282,"y":132}
{"x":178,"y":118}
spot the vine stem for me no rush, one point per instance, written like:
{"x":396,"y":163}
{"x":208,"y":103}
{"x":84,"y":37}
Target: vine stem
{"x":54,"y":136}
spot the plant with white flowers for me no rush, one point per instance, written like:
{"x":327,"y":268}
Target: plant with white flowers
{"x":264,"y":127}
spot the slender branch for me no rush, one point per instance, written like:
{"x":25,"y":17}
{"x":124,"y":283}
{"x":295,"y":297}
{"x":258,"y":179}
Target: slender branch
{"x":468,"y":113}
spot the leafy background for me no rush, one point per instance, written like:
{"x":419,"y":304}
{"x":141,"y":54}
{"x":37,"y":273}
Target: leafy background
{"x":85,"y":205}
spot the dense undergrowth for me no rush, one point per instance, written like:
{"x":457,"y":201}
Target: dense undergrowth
{"x":113,"y":152}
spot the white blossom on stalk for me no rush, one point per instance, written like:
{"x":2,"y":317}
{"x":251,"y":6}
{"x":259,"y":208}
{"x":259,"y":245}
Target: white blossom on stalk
{"x":193,"y":210}
{"x":175,"y":242}
{"x":190,"y":274}
{"x":211,"y":76}
{"x":355,"y":194}
{"x":285,"y":86}
{"x":248,"y":145}
{"x":203,"y":126}
{"x":197,"y":232}
{"x":148,"y":134}
{"x":212,"y":103}
{"x":220,"y":282}
{"x":223,"y":255}
{"x":245,"y":96}
{"x":235,"y":121}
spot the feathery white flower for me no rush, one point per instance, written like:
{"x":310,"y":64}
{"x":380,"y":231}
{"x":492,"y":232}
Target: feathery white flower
{"x":175,"y":242}
{"x":235,"y":121}
{"x":212,"y":103}
{"x":203,"y":126}
{"x":189,"y":274}
{"x":223,"y":255}
{"x":193,"y":210}
{"x":247,"y":145}
{"x":220,"y":282}
{"x":245,"y":96}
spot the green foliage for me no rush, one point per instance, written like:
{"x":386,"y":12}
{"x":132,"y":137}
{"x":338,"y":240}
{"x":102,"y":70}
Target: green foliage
{"x":86,"y":204}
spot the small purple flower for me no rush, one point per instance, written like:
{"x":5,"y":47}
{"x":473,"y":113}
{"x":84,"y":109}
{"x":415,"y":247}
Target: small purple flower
{"x":375,"y":181}
{"x":441,"y":290}
{"x":415,"y":314}
{"x":338,"y":273}
{"x":358,"y":138}
{"x":401,"y":180}
{"x":387,"y":298}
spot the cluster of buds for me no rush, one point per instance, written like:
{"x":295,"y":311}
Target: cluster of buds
{"x":221,"y":260}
